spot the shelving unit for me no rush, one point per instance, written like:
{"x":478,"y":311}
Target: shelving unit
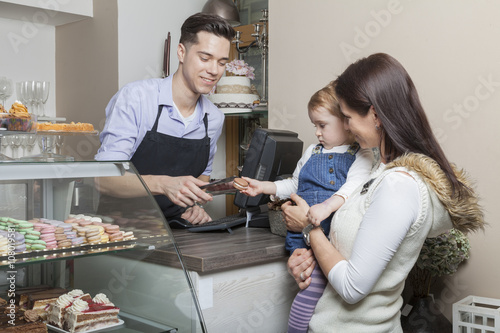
{"x":47,"y":12}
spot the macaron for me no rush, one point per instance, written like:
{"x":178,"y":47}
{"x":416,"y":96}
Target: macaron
{"x":240,"y":184}
{"x":38,"y":246}
{"x":77,"y":240}
{"x":117,"y":236}
{"x":128,"y":235}
{"x":20,"y":248}
{"x":60,"y":237}
{"x":111,"y":228}
{"x":48,"y":230}
{"x":94,"y":239}
{"x":48,"y":237}
{"x":64,"y":243}
{"x":51,"y":244}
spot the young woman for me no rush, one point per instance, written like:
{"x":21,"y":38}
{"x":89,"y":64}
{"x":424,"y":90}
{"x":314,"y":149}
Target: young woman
{"x":376,"y":236}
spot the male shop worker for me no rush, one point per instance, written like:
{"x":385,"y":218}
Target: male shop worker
{"x":167,"y":128}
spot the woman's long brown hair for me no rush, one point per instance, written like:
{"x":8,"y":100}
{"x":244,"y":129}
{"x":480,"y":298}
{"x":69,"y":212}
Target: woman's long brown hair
{"x":382,"y":82}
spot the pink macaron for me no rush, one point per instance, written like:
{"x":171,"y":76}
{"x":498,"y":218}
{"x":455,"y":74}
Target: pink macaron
{"x":48,"y":230}
{"x":48,"y":237}
{"x":51,"y":244}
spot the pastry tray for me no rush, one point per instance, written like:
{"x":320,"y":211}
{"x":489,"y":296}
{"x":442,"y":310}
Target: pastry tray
{"x":57,"y":329}
{"x":54,"y":132}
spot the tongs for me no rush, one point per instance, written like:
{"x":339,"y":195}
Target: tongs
{"x":220,"y":186}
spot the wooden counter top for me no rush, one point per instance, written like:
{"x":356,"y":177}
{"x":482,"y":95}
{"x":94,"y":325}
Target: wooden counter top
{"x":217,"y":250}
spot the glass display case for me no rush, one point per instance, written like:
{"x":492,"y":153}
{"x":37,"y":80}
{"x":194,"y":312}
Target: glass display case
{"x":121,"y":260}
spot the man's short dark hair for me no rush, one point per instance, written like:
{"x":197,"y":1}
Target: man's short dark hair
{"x":210,"y":23}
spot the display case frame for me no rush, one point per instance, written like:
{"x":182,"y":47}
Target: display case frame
{"x":159,"y":298}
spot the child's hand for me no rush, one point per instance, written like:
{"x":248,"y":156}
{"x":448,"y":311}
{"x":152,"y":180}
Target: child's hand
{"x":318,"y":213}
{"x":255,"y":187}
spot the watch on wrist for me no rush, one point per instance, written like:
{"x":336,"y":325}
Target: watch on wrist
{"x":307,"y":230}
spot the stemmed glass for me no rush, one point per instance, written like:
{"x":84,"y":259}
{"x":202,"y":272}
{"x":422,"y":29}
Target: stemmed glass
{"x":4,"y":143}
{"x":15,"y":143}
{"x":31,"y":94}
{"x":59,"y":144}
{"x":44,"y":95}
{"x":46,"y":144}
{"x":30,"y":142}
{"x":21,"y":92}
{"x":23,"y":142}
{"x":5,"y":89}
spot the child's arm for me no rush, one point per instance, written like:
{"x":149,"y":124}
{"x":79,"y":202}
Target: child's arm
{"x":321,"y":211}
{"x":256,"y":187}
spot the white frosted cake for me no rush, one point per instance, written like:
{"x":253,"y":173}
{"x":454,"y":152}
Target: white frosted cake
{"x":234,"y":94}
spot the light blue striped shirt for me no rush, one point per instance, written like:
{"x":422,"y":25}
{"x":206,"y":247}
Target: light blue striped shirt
{"x":132,"y":112}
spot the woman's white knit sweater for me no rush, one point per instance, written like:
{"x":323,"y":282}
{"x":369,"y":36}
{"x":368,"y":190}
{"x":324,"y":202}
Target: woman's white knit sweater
{"x":438,"y":211}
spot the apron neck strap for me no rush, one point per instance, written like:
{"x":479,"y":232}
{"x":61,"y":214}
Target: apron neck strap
{"x":160,"y":108}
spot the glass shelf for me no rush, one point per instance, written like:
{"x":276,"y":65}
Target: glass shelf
{"x":30,"y":257}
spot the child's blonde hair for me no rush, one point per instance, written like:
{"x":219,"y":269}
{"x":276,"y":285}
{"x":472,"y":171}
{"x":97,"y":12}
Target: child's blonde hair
{"x":327,"y":99}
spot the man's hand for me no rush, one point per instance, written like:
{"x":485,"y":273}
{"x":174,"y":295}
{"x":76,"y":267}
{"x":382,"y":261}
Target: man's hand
{"x":183,"y":191}
{"x":196,"y":215}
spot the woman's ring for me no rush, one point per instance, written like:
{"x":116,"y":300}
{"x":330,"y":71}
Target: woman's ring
{"x":302,"y":276}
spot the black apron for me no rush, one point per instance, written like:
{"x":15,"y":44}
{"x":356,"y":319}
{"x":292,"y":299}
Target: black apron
{"x":162,"y":154}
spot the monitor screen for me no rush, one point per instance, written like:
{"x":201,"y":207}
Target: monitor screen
{"x":271,"y":154}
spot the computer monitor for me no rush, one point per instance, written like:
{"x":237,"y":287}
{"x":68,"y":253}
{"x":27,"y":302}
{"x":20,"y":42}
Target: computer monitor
{"x":272,"y":153}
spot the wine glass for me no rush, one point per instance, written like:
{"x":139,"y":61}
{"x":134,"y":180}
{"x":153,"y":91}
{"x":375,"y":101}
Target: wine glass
{"x":30,"y":142}
{"x":44,"y":95}
{"x":59,"y":144}
{"x":15,"y":143}
{"x":6,"y":87}
{"x":31,"y":94}
{"x":4,"y":143}
{"x":21,"y":92}
{"x":23,"y":143}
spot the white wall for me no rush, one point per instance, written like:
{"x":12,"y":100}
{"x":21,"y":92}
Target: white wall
{"x":28,"y":53}
{"x":450,"y":49}
{"x":143,"y":27}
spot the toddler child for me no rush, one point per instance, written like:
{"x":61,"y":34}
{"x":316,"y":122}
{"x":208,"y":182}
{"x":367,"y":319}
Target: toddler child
{"x":325,"y":176}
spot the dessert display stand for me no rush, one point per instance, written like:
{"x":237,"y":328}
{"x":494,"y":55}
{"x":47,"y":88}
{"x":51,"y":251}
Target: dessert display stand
{"x":154,"y":293}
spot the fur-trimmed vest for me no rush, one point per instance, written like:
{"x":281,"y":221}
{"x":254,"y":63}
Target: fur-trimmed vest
{"x":440,"y":210}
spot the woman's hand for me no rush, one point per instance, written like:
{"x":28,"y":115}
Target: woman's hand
{"x":196,"y":215}
{"x":300,"y":265}
{"x":295,"y":216}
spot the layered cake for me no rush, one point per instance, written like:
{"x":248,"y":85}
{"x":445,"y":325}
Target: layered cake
{"x":83,"y":315}
{"x":56,"y":311}
{"x":234,"y":94}
{"x":38,"y":297}
{"x":13,"y":319}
